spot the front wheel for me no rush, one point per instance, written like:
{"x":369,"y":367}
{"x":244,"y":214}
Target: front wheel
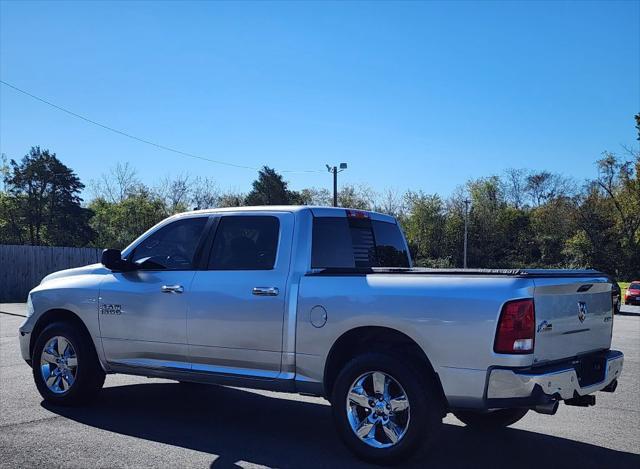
{"x":488,"y":420}
{"x":65,"y":365}
{"x":384,"y":409}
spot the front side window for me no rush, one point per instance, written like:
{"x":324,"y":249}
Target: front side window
{"x":245,"y":243}
{"x":349,"y":242}
{"x":172,"y":247}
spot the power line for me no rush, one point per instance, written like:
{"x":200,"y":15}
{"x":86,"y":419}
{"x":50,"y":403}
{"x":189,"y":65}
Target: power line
{"x":142,"y":140}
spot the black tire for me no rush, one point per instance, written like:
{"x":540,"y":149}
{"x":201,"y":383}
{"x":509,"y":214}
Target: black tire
{"x":424,"y":424}
{"x":488,"y":420}
{"x":89,"y":375}
{"x":191,"y":384}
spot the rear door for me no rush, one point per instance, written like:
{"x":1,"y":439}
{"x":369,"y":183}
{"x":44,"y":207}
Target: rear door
{"x":573,"y":316}
{"x":237,"y":304}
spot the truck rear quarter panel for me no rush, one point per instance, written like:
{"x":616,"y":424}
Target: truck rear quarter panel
{"x":452,"y":318}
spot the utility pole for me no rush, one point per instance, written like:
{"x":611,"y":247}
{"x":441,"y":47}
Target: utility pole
{"x":334,"y":170}
{"x":466,"y":230}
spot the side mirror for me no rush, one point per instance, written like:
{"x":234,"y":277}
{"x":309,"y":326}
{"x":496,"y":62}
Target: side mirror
{"x":112,"y":260}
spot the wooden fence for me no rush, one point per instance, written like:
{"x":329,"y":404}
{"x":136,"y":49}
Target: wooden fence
{"x":23,"y":267}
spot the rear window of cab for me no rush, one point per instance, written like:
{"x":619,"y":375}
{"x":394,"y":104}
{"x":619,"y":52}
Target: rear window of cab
{"x":349,"y":242}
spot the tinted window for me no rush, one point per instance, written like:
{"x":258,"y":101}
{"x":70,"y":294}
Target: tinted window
{"x":245,"y":243}
{"x":331,"y":246}
{"x":362,"y":242}
{"x":634,"y":286}
{"x":172,"y":247}
{"x":356,"y":242}
{"x":391,"y":250}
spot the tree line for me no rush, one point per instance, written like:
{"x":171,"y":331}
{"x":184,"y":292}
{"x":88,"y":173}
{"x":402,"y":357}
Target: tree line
{"x":519,"y":218}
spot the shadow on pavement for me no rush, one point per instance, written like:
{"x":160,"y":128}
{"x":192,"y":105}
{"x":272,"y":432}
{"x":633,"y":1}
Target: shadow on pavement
{"x":238,"y":425}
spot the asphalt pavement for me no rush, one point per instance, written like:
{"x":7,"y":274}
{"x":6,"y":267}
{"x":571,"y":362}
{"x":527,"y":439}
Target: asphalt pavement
{"x":142,"y":422}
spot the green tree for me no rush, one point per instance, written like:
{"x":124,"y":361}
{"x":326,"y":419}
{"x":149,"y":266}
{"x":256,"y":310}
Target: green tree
{"x":424,"y":227}
{"x":609,"y":219}
{"x":358,"y":197}
{"x":271,"y":189}
{"x":118,"y":223}
{"x":45,"y":205}
{"x":552,"y":224}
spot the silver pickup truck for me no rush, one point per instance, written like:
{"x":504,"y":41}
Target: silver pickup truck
{"x":325,"y":301}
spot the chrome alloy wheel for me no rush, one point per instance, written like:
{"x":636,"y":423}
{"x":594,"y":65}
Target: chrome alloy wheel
{"x":378,"y":409}
{"x":58,"y":364}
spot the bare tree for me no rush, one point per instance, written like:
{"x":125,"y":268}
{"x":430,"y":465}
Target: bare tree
{"x":115,"y":186}
{"x":231,"y":199}
{"x":392,"y":203}
{"x":175,"y":192}
{"x":359,"y":197}
{"x":205,"y":193}
{"x":515,"y":186}
{"x":315,"y":196}
{"x":544,"y":186}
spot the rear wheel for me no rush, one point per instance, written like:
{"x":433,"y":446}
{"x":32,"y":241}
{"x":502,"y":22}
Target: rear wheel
{"x":65,"y":365}
{"x":384,"y":409}
{"x":493,"y":419}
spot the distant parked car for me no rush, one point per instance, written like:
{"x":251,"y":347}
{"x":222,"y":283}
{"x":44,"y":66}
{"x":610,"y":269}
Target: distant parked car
{"x":632,"y":296}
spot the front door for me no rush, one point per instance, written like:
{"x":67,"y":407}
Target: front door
{"x":237,"y":305}
{"x":143,"y":313}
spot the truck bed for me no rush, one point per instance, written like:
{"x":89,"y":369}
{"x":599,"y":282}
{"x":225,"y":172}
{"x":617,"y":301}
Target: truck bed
{"x":520,"y":273}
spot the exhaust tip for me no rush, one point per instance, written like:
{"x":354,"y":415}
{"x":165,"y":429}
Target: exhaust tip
{"x":550,"y":408}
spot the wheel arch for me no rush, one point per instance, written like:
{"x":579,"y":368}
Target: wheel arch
{"x":358,"y":340}
{"x":56,"y":315}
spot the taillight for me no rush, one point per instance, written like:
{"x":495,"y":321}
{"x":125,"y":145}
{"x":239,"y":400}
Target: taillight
{"x":516,"y":328}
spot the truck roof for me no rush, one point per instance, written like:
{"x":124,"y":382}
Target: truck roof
{"x":318,"y":211}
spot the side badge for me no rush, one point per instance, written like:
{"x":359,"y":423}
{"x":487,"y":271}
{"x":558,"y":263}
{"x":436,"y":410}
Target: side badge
{"x":111,"y":309}
{"x":545,"y":326}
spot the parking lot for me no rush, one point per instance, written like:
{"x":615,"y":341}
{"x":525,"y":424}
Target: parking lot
{"x":140,"y":422}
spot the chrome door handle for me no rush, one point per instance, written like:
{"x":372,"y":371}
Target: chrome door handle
{"x":172,"y":289}
{"x":265,"y":291}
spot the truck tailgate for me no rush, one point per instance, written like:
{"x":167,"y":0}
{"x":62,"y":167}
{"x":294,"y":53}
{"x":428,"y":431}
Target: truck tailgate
{"x":573,"y":316}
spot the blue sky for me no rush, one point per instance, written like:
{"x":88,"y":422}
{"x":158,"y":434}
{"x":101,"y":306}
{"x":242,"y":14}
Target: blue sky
{"x":411,"y":95}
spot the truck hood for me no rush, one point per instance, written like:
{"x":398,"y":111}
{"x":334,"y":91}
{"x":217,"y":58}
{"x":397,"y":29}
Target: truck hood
{"x":85,"y":270}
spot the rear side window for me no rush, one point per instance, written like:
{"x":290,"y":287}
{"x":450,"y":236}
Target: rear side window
{"x":356,"y":243}
{"x":245,"y":243}
{"x":172,"y":247}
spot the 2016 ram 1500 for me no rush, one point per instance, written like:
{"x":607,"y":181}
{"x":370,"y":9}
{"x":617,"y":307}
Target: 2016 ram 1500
{"x":325,"y":301}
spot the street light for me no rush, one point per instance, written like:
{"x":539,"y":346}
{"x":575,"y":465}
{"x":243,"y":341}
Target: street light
{"x":334,"y":170}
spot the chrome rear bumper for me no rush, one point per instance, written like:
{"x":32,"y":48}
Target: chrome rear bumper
{"x":557,"y":384}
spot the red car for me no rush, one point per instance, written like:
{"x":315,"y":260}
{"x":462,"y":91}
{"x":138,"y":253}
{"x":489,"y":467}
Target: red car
{"x":632,"y":296}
